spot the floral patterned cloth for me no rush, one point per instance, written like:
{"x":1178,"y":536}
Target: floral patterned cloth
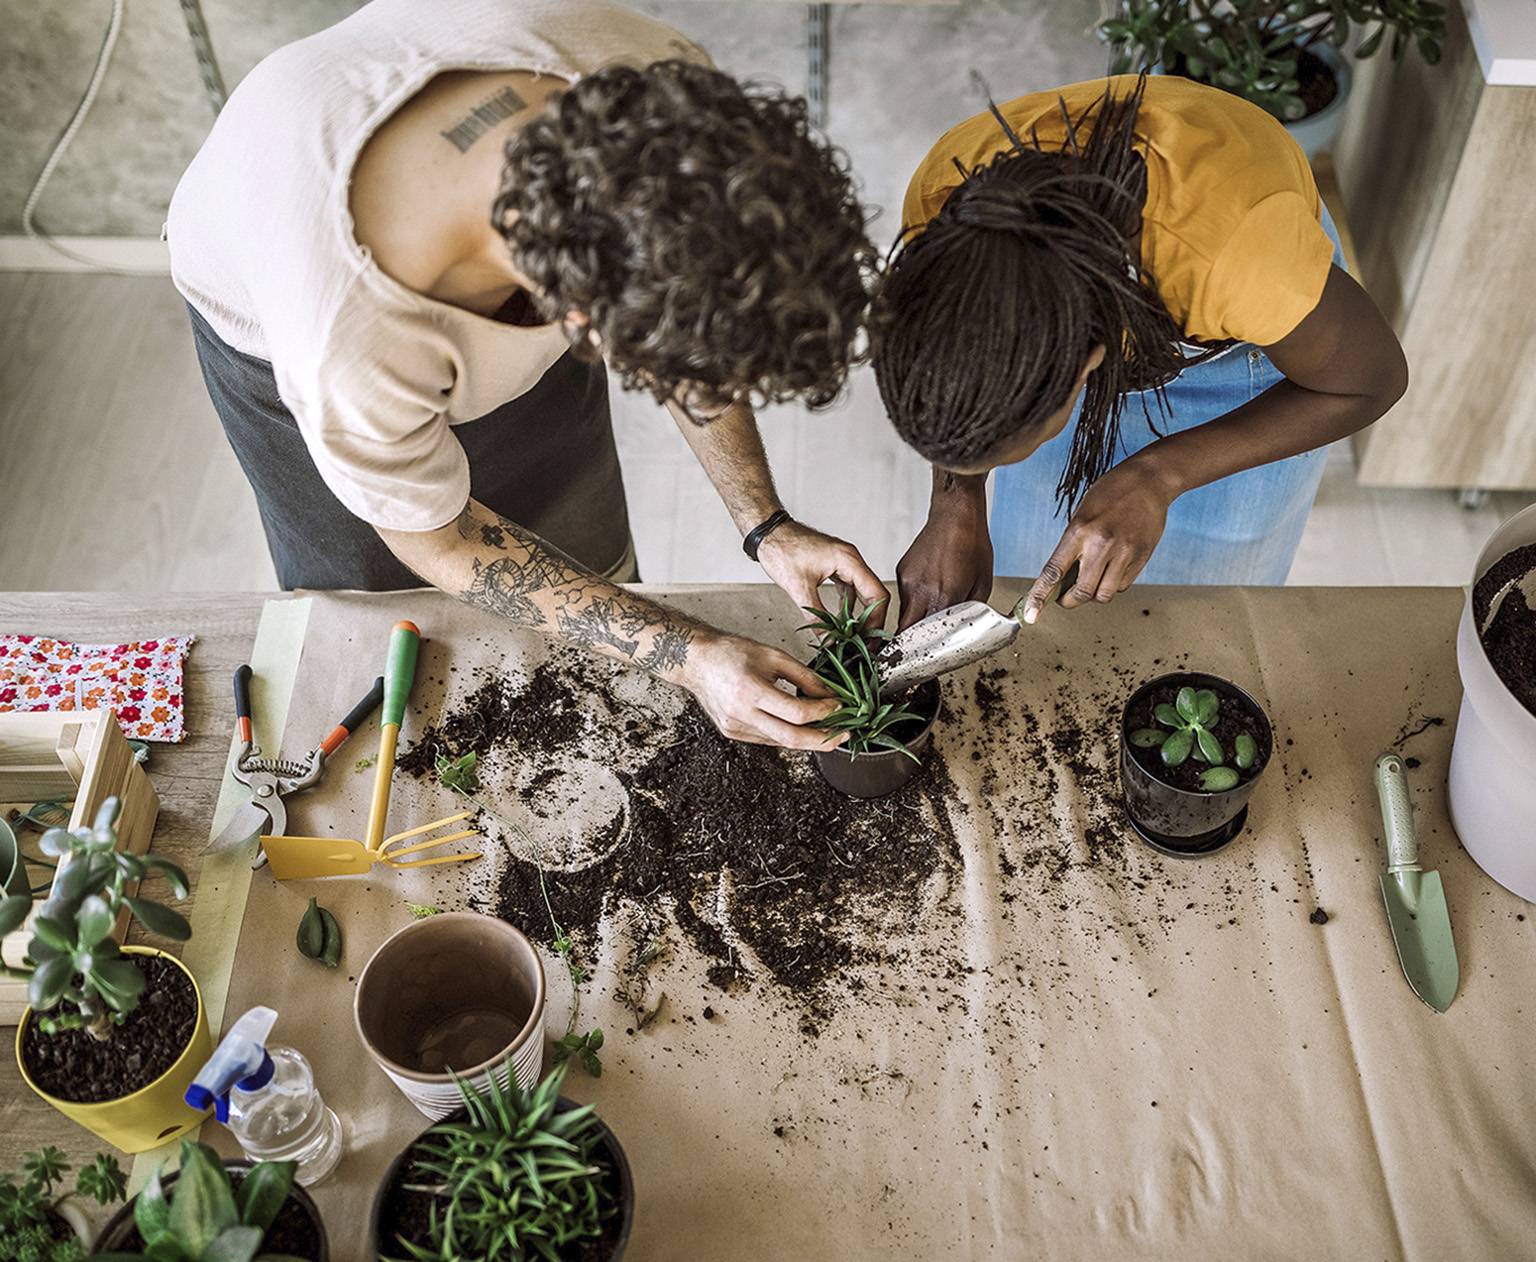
{"x":142,"y":681}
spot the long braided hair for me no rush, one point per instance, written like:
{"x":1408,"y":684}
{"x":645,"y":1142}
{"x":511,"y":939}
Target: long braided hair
{"x":985,"y":316}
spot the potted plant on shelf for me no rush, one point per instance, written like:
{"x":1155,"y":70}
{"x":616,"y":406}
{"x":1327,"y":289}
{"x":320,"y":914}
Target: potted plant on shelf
{"x":1192,"y":748}
{"x":36,"y":1225}
{"x":221,"y":1211}
{"x":1283,"y":55}
{"x":515,"y":1174}
{"x":113,"y":1035}
{"x":885,"y":737}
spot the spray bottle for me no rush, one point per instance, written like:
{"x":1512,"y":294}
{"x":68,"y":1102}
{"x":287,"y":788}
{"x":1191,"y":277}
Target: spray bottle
{"x":266,"y":1096}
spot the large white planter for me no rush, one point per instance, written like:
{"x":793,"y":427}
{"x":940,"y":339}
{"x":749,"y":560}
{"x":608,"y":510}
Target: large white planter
{"x":1315,"y":132}
{"x":1493,"y":757}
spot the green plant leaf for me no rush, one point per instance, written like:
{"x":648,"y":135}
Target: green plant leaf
{"x":1210,"y":747}
{"x":120,"y":981}
{"x":1147,"y":737}
{"x":13,"y":911}
{"x":1176,"y":748}
{"x":1167,"y":715}
{"x":1218,"y":779}
{"x":1207,"y":705}
{"x":1245,"y":751}
{"x":161,"y":920}
{"x":202,"y":1205}
{"x":49,"y":980}
{"x":52,"y":933}
{"x":262,"y":1192}
{"x":233,"y":1244}
{"x":1185,"y":704}
{"x":152,"y":1212}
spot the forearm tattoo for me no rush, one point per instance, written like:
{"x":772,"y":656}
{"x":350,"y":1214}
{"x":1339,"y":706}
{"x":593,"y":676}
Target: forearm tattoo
{"x":588,"y":612}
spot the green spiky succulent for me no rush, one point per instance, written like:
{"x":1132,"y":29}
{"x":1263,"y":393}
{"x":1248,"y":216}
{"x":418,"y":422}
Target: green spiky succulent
{"x":845,"y":662}
{"x":1190,"y":722}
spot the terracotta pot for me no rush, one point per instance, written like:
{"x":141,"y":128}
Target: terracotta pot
{"x":380,"y":1230}
{"x":153,"y":1114}
{"x":1188,"y":823}
{"x":299,"y":1217}
{"x":874,"y":775}
{"x":452,"y":995}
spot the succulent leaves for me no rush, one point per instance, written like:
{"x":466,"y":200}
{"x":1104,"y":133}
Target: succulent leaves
{"x":845,"y":662}
{"x":1191,"y":719}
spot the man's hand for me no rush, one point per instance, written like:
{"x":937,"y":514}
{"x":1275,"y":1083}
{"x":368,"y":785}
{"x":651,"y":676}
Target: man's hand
{"x":800,"y":559}
{"x":951,"y":559}
{"x":735,"y":682}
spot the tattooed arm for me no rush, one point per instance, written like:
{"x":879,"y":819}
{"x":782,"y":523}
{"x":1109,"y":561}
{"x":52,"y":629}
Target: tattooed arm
{"x":494,"y":564}
{"x":796,"y":557}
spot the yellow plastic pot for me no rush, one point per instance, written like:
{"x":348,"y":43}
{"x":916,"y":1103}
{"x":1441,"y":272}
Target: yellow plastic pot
{"x":154,"y":1113}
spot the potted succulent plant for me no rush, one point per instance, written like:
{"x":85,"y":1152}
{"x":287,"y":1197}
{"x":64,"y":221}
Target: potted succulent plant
{"x":455,"y":995}
{"x":886,"y":736}
{"x":1192,"y":747}
{"x":38,"y":1226}
{"x":113,"y":1035}
{"x":1283,"y":55}
{"x":516,"y":1174}
{"x":220,"y":1211}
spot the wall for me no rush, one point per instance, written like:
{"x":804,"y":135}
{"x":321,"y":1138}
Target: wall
{"x":898,"y":75}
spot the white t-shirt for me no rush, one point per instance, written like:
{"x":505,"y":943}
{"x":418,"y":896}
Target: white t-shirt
{"x":262,"y":244}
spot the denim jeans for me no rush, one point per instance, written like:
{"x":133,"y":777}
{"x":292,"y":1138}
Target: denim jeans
{"x":1243,"y":529}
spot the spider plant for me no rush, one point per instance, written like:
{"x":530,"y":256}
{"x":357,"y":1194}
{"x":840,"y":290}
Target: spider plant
{"x":845,"y":662}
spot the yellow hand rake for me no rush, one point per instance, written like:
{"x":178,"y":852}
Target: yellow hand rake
{"x":300,"y":858}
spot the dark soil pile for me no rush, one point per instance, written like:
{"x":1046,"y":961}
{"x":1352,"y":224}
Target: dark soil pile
{"x":764,"y":866}
{"x":1510,"y":640}
{"x":73,"y":1066}
{"x":1233,"y":720}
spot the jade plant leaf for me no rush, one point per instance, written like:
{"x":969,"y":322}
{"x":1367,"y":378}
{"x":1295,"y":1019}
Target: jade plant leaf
{"x":1210,"y":747}
{"x":1176,"y":748}
{"x":1218,"y":779}
{"x":1147,"y":737}
{"x":1245,"y":751}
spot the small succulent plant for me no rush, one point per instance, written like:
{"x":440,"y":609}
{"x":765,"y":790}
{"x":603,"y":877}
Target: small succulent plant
{"x":203,"y":1216}
{"x":845,"y":662}
{"x":1188,"y":730}
{"x":515,"y":1180}
{"x":26,"y":1234}
{"x":75,"y":965}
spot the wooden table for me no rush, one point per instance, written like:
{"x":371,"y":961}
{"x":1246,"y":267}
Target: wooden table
{"x":1130,"y":1056}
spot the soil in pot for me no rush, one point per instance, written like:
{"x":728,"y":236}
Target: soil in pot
{"x":74,"y":1066}
{"x":402,"y":1214}
{"x":1234,"y":720}
{"x":878,"y":772}
{"x":1510,"y":639}
{"x":296,"y":1232}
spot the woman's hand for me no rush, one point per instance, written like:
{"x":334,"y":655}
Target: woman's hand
{"x":951,"y":558}
{"x":1111,"y":536}
{"x":736,"y":682}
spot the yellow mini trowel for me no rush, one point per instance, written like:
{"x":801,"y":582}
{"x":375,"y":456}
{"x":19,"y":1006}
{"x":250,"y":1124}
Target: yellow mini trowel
{"x":301,"y":858}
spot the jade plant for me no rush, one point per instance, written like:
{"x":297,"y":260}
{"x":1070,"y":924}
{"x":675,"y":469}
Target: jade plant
{"x":78,"y":977}
{"x":845,"y":662}
{"x":204,"y":1216}
{"x":516,"y":1179}
{"x":1188,"y":730}
{"x":28,"y":1206}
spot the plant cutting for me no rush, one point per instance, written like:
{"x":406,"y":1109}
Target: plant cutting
{"x":1266,"y":51}
{"x":88,"y":1044}
{"x":38,"y":1226}
{"x":884,"y":737}
{"x":1177,"y":733}
{"x":220,"y":1211}
{"x":516,"y":1174}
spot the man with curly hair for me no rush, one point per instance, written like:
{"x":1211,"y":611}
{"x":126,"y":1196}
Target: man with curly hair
{"x":409,"y":244}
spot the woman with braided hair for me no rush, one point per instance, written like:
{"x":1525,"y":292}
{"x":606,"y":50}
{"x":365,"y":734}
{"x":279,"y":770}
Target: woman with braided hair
{"x":1128,"y":299}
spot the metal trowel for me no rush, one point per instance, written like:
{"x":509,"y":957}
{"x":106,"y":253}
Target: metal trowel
{"x":943,"y":642}
{"x":1415,"y":899}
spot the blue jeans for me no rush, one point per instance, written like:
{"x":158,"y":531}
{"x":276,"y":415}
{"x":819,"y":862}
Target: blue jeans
{"x":1244,"y":529}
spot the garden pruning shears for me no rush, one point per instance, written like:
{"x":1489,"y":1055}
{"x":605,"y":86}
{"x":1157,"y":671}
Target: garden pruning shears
{"x":305,"y":857}
{"x":271,"y":779}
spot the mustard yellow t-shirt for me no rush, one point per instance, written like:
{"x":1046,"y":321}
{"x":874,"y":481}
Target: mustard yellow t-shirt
{"x":1232,"y":234}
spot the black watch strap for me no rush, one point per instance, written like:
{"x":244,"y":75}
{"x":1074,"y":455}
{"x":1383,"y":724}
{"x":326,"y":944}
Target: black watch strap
{"x":757,"y":534}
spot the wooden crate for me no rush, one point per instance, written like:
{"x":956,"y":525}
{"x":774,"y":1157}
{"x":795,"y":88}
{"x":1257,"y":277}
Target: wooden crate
{"x":84,"y":757}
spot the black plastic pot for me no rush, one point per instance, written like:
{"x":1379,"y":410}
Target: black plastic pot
{"x":389,"y":1200}
{"x":1187,"y":823}
{"x":298,"y":1221}
{"x":876,"y":774}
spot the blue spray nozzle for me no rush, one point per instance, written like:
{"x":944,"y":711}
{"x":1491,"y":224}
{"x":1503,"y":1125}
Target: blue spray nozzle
{"x":239,"y":1060}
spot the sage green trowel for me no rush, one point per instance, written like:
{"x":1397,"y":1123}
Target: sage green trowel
{"x":1416,"y":910}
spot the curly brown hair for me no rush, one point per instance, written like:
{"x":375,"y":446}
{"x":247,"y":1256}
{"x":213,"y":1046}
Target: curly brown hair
{"x":701,"y":228}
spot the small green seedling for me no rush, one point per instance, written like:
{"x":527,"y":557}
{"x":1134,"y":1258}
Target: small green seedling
{"x":1192,"y":720}
{"x":584,"y":1047}
{"x":420,"y":911}
{"x":845,"y":662}
{"x":27,"y":1204}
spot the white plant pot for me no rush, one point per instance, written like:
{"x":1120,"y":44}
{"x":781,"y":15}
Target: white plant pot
{"x":1315,"y":132}
{"x":1493,"y":756}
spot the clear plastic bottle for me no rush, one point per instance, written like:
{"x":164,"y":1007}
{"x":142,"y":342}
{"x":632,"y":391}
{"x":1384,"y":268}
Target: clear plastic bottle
{"x":284,"y":1119}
